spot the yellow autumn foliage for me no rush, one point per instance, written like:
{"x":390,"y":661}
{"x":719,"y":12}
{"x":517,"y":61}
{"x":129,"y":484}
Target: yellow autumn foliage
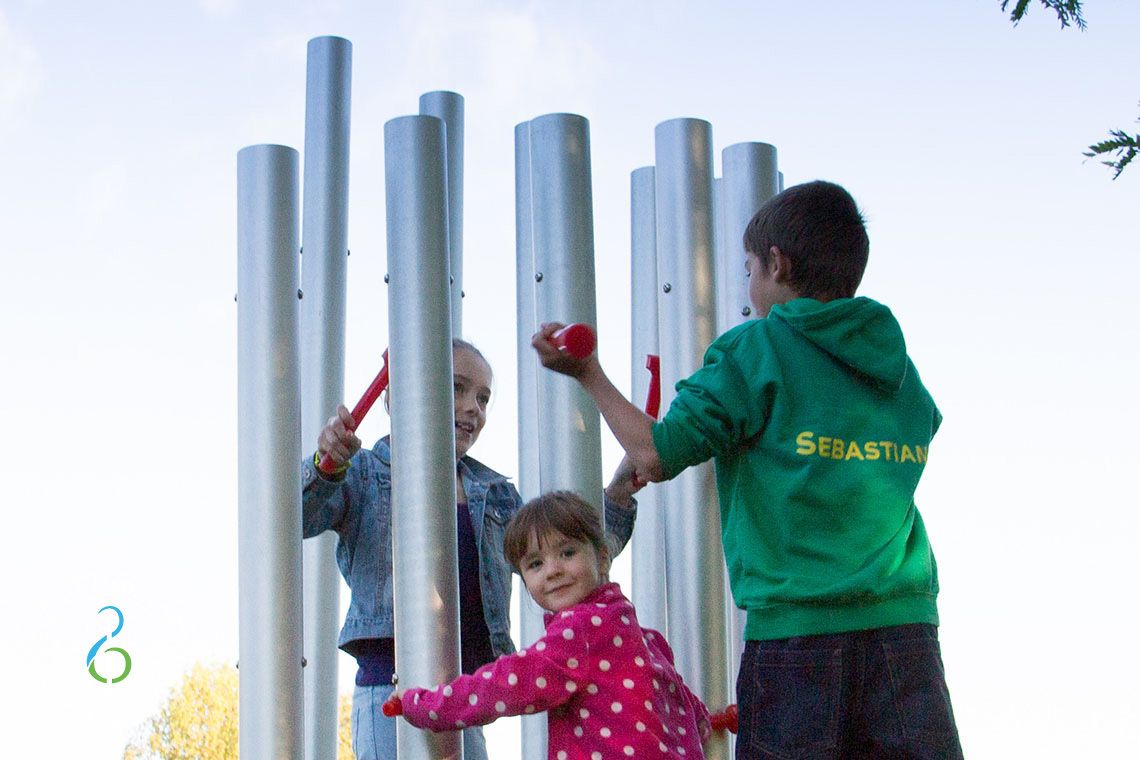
{"x":199,"y":720}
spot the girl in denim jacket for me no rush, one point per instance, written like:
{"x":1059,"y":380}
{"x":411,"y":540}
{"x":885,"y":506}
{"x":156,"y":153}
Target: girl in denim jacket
{"x":357,"y":502}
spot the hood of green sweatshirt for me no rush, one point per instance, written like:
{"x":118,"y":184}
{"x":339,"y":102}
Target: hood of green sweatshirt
{"x":859,"y":332}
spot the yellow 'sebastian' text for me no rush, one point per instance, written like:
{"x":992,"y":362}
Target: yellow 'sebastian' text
{"x":809,"y":444}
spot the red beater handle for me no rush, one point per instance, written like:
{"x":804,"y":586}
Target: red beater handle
{"x":395,"y":706}
{"x":577,"y":339}
{"x":728,"y":720}
{"x":652,"y":398}
{"x":379,"y":384}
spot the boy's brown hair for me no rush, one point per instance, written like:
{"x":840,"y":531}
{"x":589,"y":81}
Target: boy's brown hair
{"x":818,"y":226}
{"x":562,"y":512}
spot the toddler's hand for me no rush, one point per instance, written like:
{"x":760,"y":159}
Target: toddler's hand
{"x":624,"y":484}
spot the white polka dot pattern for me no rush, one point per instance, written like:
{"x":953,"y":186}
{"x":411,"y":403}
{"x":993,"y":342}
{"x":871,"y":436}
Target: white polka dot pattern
{"x":610,"y":687}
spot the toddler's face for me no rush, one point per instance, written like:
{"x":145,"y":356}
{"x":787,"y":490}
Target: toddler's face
{"x":560,"y":572}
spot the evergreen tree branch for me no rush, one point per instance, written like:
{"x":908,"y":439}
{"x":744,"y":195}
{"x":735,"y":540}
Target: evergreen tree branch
{"x":1068,"y":11}
{"x":1123,"y":145}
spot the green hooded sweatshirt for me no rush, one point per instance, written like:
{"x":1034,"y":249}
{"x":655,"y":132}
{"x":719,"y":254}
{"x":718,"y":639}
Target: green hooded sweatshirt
{"x":820,"y":429}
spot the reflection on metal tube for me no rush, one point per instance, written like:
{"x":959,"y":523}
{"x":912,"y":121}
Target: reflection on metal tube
{"x":530,"y":614}
{"x":449,"y":107}
{"x":423,"y":439}
{"x":685,"y":240}
{"x":648,"y":565}
{"x":269,"y":451}
{"x":324,"y":265}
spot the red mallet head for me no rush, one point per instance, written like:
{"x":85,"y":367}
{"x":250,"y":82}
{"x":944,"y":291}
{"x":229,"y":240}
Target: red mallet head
{"x":577,"y":339}
{"x":728,"y":720}
{"x":393,"y":707}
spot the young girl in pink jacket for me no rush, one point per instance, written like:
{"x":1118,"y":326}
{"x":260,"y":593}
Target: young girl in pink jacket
{"x":608,"y":684}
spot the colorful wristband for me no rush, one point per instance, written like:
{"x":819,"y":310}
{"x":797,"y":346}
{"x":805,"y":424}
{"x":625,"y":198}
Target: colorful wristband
{"x":335,"y":473}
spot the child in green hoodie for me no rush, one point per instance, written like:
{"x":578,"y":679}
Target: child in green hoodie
{"x":820,"y":428}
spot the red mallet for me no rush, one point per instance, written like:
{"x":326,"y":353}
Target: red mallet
{"x":577,"y":339}
{"x":728,"y":720}
{"x":378,"y":386}
{"x":652,"y":397}
{"x":395,"y":706}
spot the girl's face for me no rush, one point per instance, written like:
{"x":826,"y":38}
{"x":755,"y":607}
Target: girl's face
{"x":560,"y":572}
{"x":472,"y":394}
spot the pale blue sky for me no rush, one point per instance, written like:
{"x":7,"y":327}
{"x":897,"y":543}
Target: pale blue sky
{"x":1010,"y":261}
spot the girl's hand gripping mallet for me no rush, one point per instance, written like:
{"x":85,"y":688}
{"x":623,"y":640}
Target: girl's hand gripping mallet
{"x":378,"y":386}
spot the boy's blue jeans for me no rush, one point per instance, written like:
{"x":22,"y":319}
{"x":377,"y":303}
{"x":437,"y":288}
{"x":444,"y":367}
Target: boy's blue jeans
{"x":879,"y":693}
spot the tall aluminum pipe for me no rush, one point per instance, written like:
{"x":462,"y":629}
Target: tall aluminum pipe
{"x":554,"y":196}
{"x":449,"y":107}
{"x":687,"y":309}
{"x":324,"y":246}
{"x":269,"y":448}
{"x":530,"y":614}
{"x":648,"y":564}
{"x":749,"y":179}
{"x":426,"y":590}
{"x":562,"y":220}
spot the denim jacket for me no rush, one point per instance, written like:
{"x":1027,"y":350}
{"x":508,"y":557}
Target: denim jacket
{"x":359,"y":509}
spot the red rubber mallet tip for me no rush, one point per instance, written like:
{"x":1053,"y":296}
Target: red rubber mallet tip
{"x":728,"y":720}
{"x":577,"y":339}
{"x":393,"y":707}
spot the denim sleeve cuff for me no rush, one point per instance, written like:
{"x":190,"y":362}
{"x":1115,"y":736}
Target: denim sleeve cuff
{"x":312,"y":477}
{"x":620,"y":520}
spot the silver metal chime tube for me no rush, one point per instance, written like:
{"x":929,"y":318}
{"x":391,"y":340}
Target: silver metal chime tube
{"x":749,"y":179}
{"x":687,"y":308}
{"x":423,"y":439}
{"x":530,"y":614}
{"x":324,"y":246}
{"x":269,"y":449}
{"x":648,"y":563}
{"x":562,"y":238}
{"x":562,"y":220}
{"x":449,"y":107}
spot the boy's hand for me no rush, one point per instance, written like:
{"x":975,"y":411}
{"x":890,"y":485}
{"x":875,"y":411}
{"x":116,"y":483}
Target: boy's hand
{"x":559,"y":361}
{"x":337,"y":438}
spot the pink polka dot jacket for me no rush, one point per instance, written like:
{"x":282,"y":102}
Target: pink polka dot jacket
{"x":609,"y":685}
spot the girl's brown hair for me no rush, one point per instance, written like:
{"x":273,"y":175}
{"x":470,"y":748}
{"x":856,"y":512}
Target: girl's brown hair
{"x":562,"y":512}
